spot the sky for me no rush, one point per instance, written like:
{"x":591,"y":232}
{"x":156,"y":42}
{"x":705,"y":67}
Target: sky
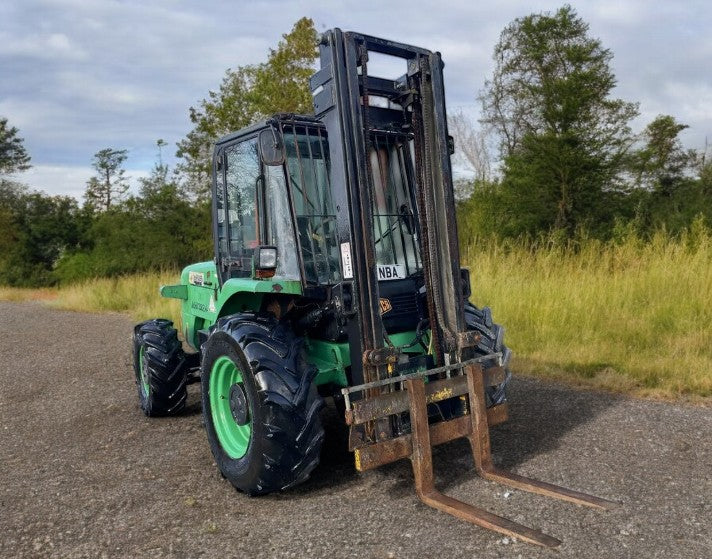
{"x":77,"y":76}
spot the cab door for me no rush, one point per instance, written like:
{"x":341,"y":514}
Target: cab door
{"x":251,"y":209}
{"x":238,"y":197}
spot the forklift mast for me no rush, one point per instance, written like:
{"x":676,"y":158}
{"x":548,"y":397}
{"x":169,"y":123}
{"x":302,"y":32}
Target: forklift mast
{"x":355,"y":106}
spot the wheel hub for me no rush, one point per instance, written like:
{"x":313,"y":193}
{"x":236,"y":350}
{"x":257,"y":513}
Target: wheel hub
{"x":238,"y":404}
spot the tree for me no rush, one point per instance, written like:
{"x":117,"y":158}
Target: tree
{"x":471,"y":151}
{"x":230,"y":108}
{"x":282,"y":83}
{"x":35,"y":230}
{"x":662,"y":162}
{"x":246,"y":94}
{"x":156,"y":229}
{"x":562,"y":138}
{"x":11,"y":206}
{"x":662,"y":169}
{"x":158,"y":179}
{"x":13,"y":157}
{"x":110,"y":185}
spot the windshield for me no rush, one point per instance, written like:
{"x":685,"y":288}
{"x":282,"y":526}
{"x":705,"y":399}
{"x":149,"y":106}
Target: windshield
{"x":394,"y":220}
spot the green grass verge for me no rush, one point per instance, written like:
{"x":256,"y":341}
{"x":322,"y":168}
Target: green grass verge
{"x":629,"y":317}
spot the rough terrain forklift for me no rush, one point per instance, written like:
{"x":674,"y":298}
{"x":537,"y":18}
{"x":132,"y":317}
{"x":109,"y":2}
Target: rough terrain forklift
{"x":337,"y":274}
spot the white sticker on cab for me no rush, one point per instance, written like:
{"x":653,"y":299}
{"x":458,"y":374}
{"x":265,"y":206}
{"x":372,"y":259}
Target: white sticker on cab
{"x":388,"y":272}
{"x":196,"y":278}
{"x":346,"y":263}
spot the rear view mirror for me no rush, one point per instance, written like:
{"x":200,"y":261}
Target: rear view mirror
{"x":271,"y":146}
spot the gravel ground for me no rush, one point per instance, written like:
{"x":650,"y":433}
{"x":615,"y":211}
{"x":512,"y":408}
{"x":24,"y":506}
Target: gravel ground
{"x":85,"y":474}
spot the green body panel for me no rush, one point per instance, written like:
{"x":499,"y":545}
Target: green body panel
{"x":332,"y":358}
{"x":203,"y":302}
{"x":174,"y":291}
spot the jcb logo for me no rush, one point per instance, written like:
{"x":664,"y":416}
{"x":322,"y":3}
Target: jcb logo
{"x":385,"y":305}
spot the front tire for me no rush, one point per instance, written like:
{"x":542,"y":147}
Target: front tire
{"x":260,"y":405}
{"x":160,"y":368}
{"x":492,"y":341}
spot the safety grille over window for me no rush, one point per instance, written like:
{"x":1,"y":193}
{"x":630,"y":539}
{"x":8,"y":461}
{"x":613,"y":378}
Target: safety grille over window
{"x":307,"y":164}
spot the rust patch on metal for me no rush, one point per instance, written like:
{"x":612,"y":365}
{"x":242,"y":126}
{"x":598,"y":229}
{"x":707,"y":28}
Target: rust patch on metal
{"x":497,"y":414}
{"x":397,"y":402}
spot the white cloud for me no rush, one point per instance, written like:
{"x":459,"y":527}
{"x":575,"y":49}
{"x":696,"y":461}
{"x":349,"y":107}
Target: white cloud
{"x":67,"y":180}
{"x":622,"y":13}
{"x":52,"y":179}
{"x":692,"y":101}
{"x":49,"y":46}
{"x":100,"y":91}
{"x":81,"y":75}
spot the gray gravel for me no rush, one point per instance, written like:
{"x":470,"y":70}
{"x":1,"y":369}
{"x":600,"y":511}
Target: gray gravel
{"x":85,"y":474}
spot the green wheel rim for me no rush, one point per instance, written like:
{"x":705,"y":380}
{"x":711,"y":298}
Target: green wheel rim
{"x":145,"y":386}
{"x":233,"y":438}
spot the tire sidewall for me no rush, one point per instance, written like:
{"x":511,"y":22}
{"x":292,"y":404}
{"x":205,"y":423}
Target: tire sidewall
{"x":244,"y":471}
{"x":144,"y":400}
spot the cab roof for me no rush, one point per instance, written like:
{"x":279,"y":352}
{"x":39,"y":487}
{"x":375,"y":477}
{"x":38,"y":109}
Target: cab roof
{"x":274,"y":119}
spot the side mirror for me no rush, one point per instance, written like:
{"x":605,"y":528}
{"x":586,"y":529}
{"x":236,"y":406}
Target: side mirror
{"x":271,"y":146}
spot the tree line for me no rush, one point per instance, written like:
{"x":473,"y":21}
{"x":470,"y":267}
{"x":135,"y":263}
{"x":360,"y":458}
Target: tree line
{"x":46,"y":240}
{"x":553,"y":153}
{"x":569,"y":163}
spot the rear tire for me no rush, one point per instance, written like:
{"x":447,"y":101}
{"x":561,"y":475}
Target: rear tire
{"x":260,"y":405}
{"x":160,"y":368}
{"x":492,"y":341}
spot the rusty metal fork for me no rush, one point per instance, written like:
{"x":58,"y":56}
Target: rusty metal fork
{"x":480,"y":442}
{"x":422,"y":462}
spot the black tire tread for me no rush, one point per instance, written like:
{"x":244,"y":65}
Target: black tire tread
{"x":289,"y":402}
{"x":165,"y":367}
{"x":492,"y":341}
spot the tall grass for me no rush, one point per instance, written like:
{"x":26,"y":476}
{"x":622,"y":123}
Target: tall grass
{"x":629,"y":316}
{"x":136,"y":295}
{"x":27,"y":294}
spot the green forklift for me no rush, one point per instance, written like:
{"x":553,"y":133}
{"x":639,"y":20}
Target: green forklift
{"x":337,"y":275}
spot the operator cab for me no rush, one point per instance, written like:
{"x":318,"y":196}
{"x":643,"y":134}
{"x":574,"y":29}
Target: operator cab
{"x":276,"y":217}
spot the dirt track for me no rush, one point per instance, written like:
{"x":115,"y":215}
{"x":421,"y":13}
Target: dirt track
{"x":85,"y":474}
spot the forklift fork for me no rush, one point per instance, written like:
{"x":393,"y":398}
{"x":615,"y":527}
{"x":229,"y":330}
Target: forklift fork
{"x":473,"y":426}
{"x":479,"y":438}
